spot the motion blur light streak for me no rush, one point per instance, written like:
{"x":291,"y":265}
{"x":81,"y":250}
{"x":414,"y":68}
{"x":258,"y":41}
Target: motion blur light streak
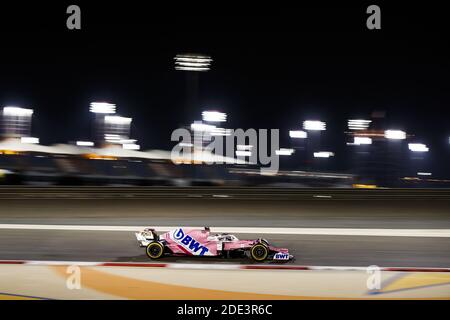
{"x":31,"y":140}
{"x":127,"y":141}
{"x":214,"y":116}
{"x":185,"y":144}
{"x":102,"y":107}
{"x":313,"y":125}
{"x":220,"y":132}
{"x":117,"y":120}
{"x":244,"y":147}
{"x":17,"y":112}
{"x":131,"y":146}
{"x":300,"y":134}
{"x":284,"y":152}
{"x":358,"y":124}
{"x":362,"y":140}
{"x":198,"y":126}
{"x":424,"y":173}
{"x":374,"y":134}
{"x":323,"y":154}
{"x":85,"y":143}
{"x":315,"y":175}
{"x":190,"y":62}
{"x":243,"y":153}
{"x":395,"y":134}
{"x":112,"y":137}
{"x":191,"y":69}
{"x":418,"y":147}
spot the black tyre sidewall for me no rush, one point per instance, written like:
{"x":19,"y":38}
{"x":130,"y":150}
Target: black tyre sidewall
{"x":152,"y":244}
{"x":262,"y":246}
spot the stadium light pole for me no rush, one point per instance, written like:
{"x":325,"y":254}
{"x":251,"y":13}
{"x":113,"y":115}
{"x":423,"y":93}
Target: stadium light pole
{"x":100,"y":111}
{"x":315,"y":127}
{"x":117,"y":128}
{"x":417,"y":156}
{"x":298,"y":141}
{"x":192,"y":65}
{"x":395,"y":154}
{"x":16,"y":121}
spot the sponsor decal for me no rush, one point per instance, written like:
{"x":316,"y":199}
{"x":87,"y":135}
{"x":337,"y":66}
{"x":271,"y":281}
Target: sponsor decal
{"x":281,"y":256}
{"x":189,"y":243}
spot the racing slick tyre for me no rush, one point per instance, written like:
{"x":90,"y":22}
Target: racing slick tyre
{"x":154,"y":250}
{"x":259,"y":252}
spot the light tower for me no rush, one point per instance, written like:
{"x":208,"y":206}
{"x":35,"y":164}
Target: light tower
{"x":192,"y":65}
{"x":101,"y":110}
{"x":192,"y":62}
{"x":16,"y":122}
{"x":116,"y":129}
{"x":313,"y":129}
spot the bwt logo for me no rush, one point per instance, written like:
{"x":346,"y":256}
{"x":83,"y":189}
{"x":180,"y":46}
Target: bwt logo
{"x":189,"y":242}
{"x":281,"y":256}
{"x":178,"y":234}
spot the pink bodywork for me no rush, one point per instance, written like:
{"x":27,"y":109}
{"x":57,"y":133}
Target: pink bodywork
{"x":187,"y":241}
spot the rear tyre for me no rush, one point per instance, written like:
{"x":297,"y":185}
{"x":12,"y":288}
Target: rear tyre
{"x":154,"y":250}
{"x":259,"y":252}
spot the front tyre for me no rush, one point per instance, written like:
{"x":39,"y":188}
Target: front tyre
{"x":154,"y":250}
{"x":259,"y":252}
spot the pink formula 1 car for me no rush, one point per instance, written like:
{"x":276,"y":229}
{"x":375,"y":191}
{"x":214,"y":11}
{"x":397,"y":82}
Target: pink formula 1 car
{"x":200,"y":242}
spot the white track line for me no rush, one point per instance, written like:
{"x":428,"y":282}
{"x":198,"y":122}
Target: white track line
{"x":432,"y":233}
{"x":215,"y":266}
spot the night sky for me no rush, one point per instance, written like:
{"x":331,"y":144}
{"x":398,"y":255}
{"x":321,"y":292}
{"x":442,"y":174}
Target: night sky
{"x":273,"y":68}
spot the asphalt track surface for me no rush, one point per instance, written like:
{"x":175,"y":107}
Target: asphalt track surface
{"x":419,"y":212}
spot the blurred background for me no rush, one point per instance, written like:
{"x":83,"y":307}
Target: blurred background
{"x":97,"y":106}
